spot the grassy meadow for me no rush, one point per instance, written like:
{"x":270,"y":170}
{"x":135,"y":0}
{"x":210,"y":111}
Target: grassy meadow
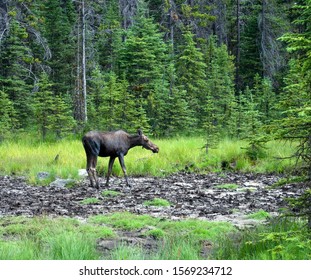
{"x":37,"y":238}
{"x":64,"y":158}
{"x":44,"y":238}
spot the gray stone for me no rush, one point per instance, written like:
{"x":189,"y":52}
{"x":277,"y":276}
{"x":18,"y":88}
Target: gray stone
{"x":43,"y":175}
{"x":82,"y":172}
{"x":61,"y":183}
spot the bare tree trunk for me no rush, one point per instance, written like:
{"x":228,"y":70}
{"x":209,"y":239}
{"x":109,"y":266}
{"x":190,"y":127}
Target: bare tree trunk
{"x":84,"y":63}
{"x":238,"y":46}
{"x":80,"y":90}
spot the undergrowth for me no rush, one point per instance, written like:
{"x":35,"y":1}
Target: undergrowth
{"x":64,"y":158}
{"x":43,"y":238}
{"x":280,"y":239}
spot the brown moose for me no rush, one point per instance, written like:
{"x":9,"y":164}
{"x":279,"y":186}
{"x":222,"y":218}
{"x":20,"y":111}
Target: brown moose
{"x":111,"y":144}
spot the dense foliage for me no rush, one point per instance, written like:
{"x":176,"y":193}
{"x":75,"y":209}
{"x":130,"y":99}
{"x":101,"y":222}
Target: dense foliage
{"x":218,"y":68}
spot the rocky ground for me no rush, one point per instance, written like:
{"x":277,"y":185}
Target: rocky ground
{"x":190,"y":195}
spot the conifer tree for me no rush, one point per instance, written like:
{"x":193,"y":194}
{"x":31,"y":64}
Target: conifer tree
{"x":7,"y":115}
{"x":251,"y":125}
{"x":191,"y":74}
{"x":62,"y":121}
{"x":142,"y":62}
{"x":220,"y":95}
{"x":43,"y":105}
{"x":296,"y":99}
{"x":52,"y":113}
{"x":110,"y":109}
{"x":59,"y":20}
{"x":16,"y":60}
{"x":265,"y":98}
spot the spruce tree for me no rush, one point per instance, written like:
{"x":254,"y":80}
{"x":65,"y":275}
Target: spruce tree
{"x":265,"y":98}
{"x":142,"y":62}
{"x":251,"y":125}
{"x":296,"y":99}
{"x":52,"y":112}
{"x":59,"y":19}
{"x":220,"y":103}
{"x":110,"y":109}
{"x":62,"y":121}
{"x":7,"y":115}
{"x":16,"y":61}
{"x":43,"y":104}
{"x":191,"y":74}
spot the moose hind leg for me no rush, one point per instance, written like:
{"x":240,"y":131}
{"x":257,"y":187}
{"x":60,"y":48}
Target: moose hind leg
{"x":91,"y":170}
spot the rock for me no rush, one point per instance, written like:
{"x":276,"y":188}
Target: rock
{"x":61,"y":183}
{"x":82,"y":173}
{"x":43,"y":175}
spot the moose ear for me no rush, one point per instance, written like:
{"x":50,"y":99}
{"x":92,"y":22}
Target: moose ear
{"x":139,"y":131}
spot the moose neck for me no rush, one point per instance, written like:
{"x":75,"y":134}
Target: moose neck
{"x":134,"y":140}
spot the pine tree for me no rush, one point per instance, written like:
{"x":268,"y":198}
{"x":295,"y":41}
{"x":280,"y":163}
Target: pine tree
{"x":16,"y":58}
{"x":59,"y":19}
{"x":190,"y":70}
{"x":220,"y":94}
{"x":265,"y":98}
{"x":52,"y":112}
{"x":7,"y":115}
{"x":43,"y":104}
{"x":109,"y":38}
{"x":62,"y":121}
{"x":110,"y":108}
{"x":296,"y":99}
{"x":142,"y":62}
{"x":251,"y":126}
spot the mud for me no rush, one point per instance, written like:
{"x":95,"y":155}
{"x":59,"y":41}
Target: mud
{"x":190,"y":196}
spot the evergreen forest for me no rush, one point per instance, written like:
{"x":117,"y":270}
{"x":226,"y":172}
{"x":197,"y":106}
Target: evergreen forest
{"x":239,"y":69}
{"x":236,"y":70}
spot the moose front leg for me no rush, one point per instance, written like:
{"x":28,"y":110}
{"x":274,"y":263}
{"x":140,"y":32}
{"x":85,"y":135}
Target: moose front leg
{"x":121,"y":160}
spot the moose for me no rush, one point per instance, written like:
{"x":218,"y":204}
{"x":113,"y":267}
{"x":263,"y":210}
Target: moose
{"x":112,"y":144}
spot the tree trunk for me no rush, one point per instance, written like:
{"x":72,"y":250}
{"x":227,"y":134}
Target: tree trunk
{"x":238,"y":47}
{"x":84,"y":64}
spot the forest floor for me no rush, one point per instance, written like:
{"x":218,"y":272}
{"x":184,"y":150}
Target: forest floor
{"x":220,"y":197}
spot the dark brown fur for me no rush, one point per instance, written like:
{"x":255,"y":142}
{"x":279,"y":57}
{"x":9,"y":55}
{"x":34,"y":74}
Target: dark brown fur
{"x":111,"y":144}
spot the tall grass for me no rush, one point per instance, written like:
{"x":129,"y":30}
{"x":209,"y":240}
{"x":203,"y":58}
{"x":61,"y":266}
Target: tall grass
{"x":44,"y":238}
{"x":65,"y":157}
{"x":281,"y":239}
{"x":64,"y":238}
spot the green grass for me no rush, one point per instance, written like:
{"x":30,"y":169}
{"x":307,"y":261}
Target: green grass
{"x":125,"y":220}
{"x":110,"y":193}
{"x":39,"y":238}
{"x":43,"y":238}
{"x":28,"y":157}
{"x":160,"y":202}
{"x":90,"y":200}
{"x":259,"y":215}
{"x":227,"y":186}
{"x":281,"y":239}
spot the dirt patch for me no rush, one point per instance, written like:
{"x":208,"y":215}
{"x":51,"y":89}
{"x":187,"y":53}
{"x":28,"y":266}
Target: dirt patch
{"x":190,"y":196}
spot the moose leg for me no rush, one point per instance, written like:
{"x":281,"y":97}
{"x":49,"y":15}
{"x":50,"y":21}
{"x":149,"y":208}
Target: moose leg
{"x":111,"y":161}
{"x":91,"y":170}
{"x":121,"y":160}
{"x":94,"y":171}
